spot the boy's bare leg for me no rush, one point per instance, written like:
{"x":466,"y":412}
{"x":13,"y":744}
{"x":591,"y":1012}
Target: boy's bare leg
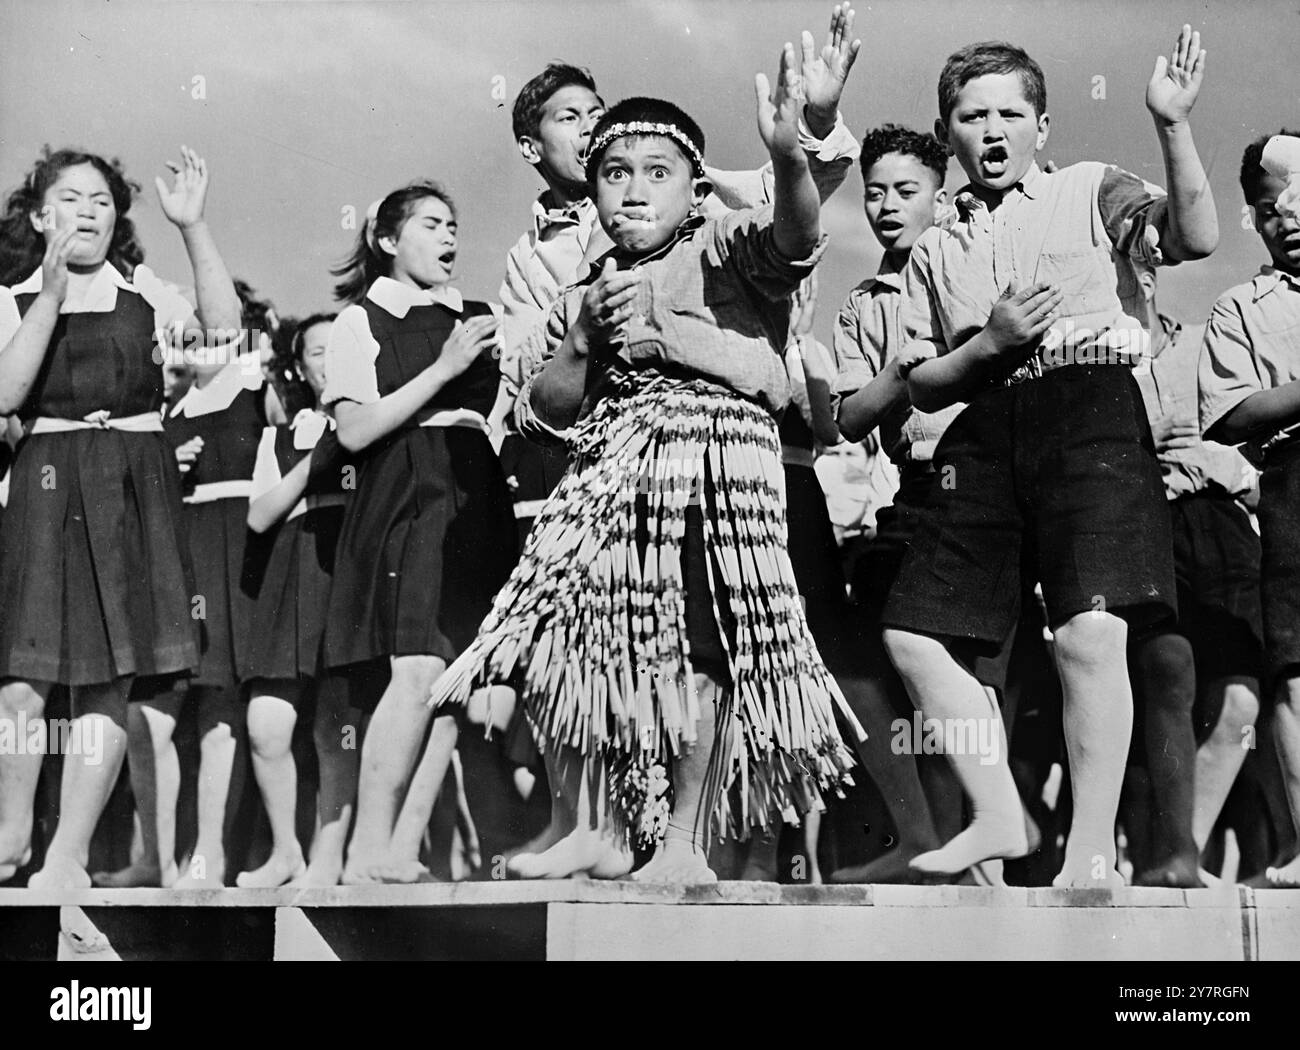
{"x":1286,"y":734}
{"x":155,"y":772}
{"x":335,"y":732}
{"x":564,"y":777}
{"x":1219,"y":759}
{"x":682,"y":857}
{"x":271,"y":721}
{"x":1167,"y":670}
{"x":945,"y":690}
{"x":899,"y":782}
{"x":88,"y":780}
{"x":21,"y":704}
{"x":388,"y":755}
{"x":1098,"y":714}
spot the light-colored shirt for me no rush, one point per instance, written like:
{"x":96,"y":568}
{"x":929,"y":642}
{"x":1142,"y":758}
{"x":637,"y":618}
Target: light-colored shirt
{"x":170,"y":309}
{"x":712,"y":304}
{"x":1168,"y":386}
{"x":554,"y":252}
{"x":1252,"y":343}
{"x":868,"y":335}
{"x":308,"y":427}
{"x":1065,"y":228}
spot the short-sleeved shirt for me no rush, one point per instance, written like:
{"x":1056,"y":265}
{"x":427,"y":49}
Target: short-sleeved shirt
{"x":1065,"y":228}
{"x":868,"y":335}
{"x":1252,"y":343}
{"x":351,"y":351}
{"x":1168,"y":385}
{"x":550,"y":256}
{"x":712,"y":304}
{"x":307,"y":428}
{"x":169,"y":306}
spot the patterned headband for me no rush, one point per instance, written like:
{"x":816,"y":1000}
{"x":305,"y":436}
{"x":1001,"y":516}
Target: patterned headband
{"x":646,"y":127}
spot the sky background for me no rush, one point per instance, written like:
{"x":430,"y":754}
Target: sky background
{"x":312,"y":108}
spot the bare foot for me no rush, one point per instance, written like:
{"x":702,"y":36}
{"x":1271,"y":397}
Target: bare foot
{"x":887,"y":869}
{"x":9,"y":869}
{"x":550,"y":835}
{"x":580,"y":851}
{"x":987,"y":838}
{"x":1285,"y":877}
{"x":201,"y":874}
{"x":279,"y":869}
{"x":1083,"y":879}
{"x":614,"y":863}
{"x":1176,"y":873}
{"x":403,"y":873}
{"x":360,"y":869}
{"x":318,"y":877}
{"x":136,"y":875}
{"x":677,"y":861}
{"x":60,"y":873}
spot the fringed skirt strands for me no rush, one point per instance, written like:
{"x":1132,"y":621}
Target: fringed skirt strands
{"x":591,"y":629}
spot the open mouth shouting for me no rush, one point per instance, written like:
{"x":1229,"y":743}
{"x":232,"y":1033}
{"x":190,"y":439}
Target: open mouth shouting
{"x":994,"y":161}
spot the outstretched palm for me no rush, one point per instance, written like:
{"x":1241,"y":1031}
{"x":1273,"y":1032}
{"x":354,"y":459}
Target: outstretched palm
{"x":778,"y":107}
{"x":183,"y":203}
{"x":1176,"y":81}
{"x":825,"y":74}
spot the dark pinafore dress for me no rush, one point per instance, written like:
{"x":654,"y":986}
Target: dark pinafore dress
{"x":94,"y":568}
{"x":429,"y":537}
{"x":225,"y":574}
{"x":288,"y":626}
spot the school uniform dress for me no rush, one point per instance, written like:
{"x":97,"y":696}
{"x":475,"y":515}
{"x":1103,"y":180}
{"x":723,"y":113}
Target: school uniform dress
{"x":429,"y":537}
{"x":1252,"y":343}
{"x":94,"y":568}
{"x":289,"y":614}
{"x":229,"y":414}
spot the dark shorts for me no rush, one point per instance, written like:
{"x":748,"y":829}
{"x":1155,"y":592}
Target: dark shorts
{"x":1279,"y":515}
{"x":1053,"y":480}
{"x":1216,"y":567}
{"x":875,"y":572}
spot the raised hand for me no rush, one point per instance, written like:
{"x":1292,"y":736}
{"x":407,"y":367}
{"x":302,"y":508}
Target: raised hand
{"x":183,"y":203}
{"x":467,"y":341}
{"x":778,"y":108}
{"x":607,"y":304}
{"x":1176,"y":81}
{"x":54,"y":265}
{"x":825,"y":73}
{"x":803,"y":306}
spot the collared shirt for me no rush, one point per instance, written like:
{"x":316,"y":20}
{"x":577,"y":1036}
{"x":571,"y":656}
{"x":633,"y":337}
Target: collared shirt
{"x":1168,"y":386}
{"x":169,"y":306}
{"x":1063,"y":228}
{"x":1252,"y":343}
{"x":351,"y":351}
{"x":553,"y":253}
{"x":868,"y":335}
{"x":712,"y":304}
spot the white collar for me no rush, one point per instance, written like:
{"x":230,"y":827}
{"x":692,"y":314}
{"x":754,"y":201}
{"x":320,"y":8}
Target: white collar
{"x":108,"y":272}
{"x":308,"y":426}
{"x":243,"y":373}
{"x":575,"y":213}
{"x":1270,"y":278}
{"x":398,"y":298}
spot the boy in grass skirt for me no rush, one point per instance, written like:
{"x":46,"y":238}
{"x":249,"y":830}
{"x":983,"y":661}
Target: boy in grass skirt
{"x":653,"y":622}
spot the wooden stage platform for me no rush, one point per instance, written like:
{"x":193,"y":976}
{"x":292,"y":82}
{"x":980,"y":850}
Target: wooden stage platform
{"x":587,"y":920}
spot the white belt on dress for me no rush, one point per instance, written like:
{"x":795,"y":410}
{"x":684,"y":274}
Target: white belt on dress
{"x":795,"y":456}
{"x":459,"y":417}
{"x":241,"y":488}
{"x":144,"y":423}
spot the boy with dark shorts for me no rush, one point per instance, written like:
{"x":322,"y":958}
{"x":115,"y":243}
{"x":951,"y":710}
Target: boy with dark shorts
{"x":1196,"y":685}
{"x":1250,"y":364}
{"x":1051,"y":470}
